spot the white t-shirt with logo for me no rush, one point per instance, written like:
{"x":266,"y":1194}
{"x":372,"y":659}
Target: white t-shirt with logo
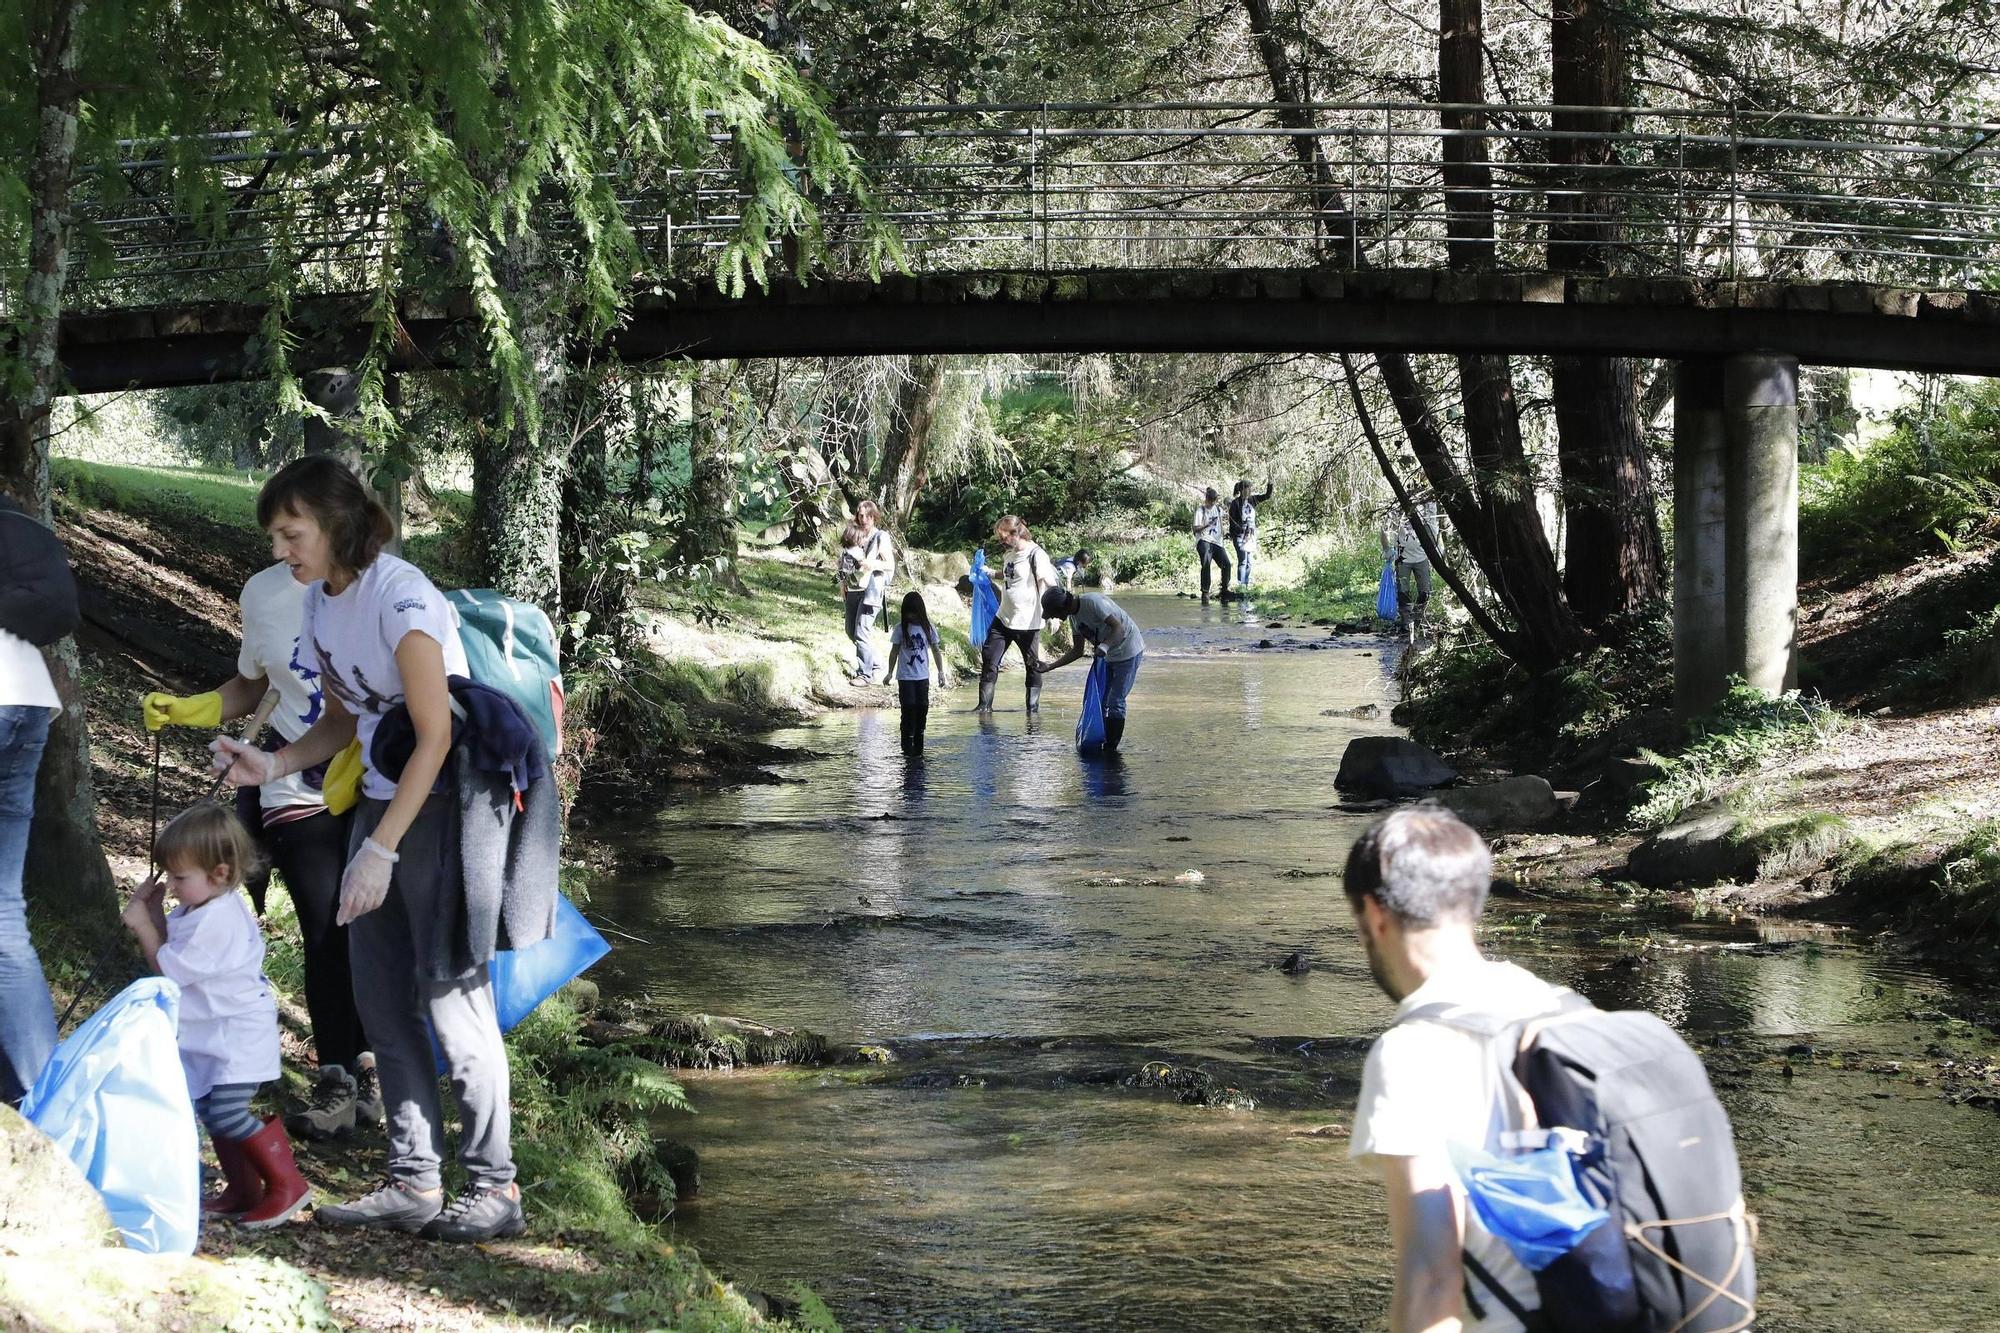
{"x":228,"y":1020}
{"x":274,"y":607}
{"x":913,"y":648}
{"x":1096,"y":614}
{"x":1208,"y":523}
{"x":1023,"y":575}
{"x":354,"y":635}
{"x":1426,"y":1085}
{"x":24,"y":675}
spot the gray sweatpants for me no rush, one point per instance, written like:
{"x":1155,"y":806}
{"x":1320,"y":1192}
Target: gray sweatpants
{"x":400,"y":1007}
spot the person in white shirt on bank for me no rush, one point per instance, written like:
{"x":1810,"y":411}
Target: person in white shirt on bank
{"x":302,"y":827}
{"x":1025,"y":572}
{"x":1417,"y":882}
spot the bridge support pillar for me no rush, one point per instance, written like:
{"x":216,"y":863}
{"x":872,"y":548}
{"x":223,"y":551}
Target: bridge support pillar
{"x":1736,"y":527}
{"x":1701,"y":554}
{"x":1761,"y":421}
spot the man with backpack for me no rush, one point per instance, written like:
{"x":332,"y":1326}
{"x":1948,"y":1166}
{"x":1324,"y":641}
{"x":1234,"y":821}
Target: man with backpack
{"x":1488,"y":1071}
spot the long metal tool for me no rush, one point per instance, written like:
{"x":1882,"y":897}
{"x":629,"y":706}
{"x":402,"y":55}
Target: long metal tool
{"x":251,"y":730}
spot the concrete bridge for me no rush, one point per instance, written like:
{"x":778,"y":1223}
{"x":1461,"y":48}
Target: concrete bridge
{"x":1737,"y":245}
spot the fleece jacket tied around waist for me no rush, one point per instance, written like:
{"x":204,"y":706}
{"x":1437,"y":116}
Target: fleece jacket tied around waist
{"x":504,"y":850}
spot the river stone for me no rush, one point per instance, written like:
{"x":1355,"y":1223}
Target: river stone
{"x":46,"y":1205}
{"x":1511,"y":803}
{"x":1358,"y":711}
{"x":1390,"y":766}
{"x":1701,"y":847}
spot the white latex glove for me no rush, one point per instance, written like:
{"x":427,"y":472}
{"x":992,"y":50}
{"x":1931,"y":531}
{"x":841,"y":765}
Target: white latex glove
{"x":366,"y":883}
{"x":241,"y":764}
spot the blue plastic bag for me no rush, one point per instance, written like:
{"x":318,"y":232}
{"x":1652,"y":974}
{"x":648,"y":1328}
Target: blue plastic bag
{"x":114,"y":1097}
{"x":1530,"y":1200}
{"x":985,"y":601}
{"x":523,"y":978}
{"x":1386,"y":604}
{"x":1090,"y":722}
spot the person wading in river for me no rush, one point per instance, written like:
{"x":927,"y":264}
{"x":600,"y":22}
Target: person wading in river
{"x":1243,"y":528}
{"x":1417,"y":883}
{"x":1208,"y":520}
{"x":1113,"y":636}
{"x":1026,"y":571}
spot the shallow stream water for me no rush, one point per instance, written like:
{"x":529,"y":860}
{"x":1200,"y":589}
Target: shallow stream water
{"x":1016,"y":926}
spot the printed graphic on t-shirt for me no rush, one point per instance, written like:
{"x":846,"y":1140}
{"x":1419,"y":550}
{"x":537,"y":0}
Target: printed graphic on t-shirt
{"x":307,"y":675}
{"x":358,"y":694}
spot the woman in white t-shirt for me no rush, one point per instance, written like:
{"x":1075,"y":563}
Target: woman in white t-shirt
{"x":383,"y":638}
{"x":867,"y":568}
{"x":302,"y":836}
{"x":1024,"y":572}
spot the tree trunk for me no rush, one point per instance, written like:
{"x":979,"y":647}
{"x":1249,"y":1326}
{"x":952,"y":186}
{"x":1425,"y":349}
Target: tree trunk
{"x":1613,"y":560}
{"x":66,"y":874}
{"x":708,"y":537}
{"x":518,"y":462}
{"x":899,"y":472}
{"x":1332,"y":216}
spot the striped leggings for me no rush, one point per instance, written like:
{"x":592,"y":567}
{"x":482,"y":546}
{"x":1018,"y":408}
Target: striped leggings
{"x":226,"y":1110}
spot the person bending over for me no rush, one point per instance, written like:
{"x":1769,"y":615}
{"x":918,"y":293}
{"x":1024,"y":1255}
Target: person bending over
{"x":1113,"y":636}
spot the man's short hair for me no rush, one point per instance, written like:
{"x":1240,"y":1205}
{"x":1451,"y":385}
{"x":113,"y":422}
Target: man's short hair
{"x":1425,"y":865}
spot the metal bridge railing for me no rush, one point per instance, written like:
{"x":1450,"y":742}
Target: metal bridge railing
{"x":1053,"y":188}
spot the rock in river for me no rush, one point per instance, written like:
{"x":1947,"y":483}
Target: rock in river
{"x":1511,"y":803}
{"x":1390,"y":766}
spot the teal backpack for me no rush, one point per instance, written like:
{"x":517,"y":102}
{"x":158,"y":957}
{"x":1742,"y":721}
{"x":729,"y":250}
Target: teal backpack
{"x":511,"y":646}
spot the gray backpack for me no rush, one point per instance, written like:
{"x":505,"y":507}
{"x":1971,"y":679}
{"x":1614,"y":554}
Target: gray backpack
{"x":1676,"y":1254}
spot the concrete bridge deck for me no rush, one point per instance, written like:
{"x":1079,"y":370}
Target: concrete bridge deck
{"x":1125,"y":310}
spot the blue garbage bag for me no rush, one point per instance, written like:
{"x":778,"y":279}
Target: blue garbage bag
{"x":985,"y":600}
{"x":523,"y":978}
{"x":1386,"y":604}
{"x":1530,"y":1200}
{"x":1090,"y":722}
{"x":114,"y":1097}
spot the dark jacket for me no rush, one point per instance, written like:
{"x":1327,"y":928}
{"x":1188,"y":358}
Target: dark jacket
{"x":508,"y":832}
{"x":37,"y":589}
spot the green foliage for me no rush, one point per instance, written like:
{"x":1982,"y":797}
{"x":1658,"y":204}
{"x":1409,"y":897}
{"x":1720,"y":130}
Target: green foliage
{"x":1947,"y":886}
{"x":1967,"y":665}
{"x":1744,"y":731}
{"x":1339,"y":586}
{"x":1932,"y":484}
{"x":161,"y":494}
{"x":1058,"y":467}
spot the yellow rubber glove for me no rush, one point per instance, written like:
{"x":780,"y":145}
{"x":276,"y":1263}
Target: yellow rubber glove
{"x":342,"y":787}
{"x":197,"y":710}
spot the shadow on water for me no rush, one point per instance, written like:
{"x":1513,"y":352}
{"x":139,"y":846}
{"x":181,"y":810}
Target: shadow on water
{"x":1025,"y":930}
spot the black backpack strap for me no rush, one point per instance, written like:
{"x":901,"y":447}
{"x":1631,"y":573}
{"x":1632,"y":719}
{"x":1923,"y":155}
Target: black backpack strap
{"x":1530,"y":1319}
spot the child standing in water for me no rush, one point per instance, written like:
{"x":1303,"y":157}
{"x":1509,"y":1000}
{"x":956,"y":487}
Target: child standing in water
{"x":915,"y":659}
{"x":211,"y":948}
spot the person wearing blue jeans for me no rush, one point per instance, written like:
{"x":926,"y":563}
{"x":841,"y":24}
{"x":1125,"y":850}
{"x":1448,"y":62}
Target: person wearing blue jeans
{"x":37,"y":607}
{"x":1112,"y":635}
{"x":1243,"y":527}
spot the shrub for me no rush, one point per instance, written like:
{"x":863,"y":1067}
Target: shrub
{"x":1930,"y":484}
{"x":1745,"y":730}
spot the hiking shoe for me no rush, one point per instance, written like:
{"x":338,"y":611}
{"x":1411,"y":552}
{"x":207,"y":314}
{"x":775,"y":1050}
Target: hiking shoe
{"x":478,"y":1215}
{"x":367,"y":1091}
{"x":396,"y":1206}
{"x":329,"y":1111}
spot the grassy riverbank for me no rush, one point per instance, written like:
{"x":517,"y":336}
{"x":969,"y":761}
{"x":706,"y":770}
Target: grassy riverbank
{"x":161,"y":554}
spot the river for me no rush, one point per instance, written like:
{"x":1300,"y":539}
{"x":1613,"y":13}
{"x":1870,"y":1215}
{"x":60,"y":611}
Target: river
{"x":1019,"y":928}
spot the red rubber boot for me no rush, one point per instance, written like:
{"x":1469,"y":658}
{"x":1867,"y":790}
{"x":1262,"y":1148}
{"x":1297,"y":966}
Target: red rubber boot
{"x":285,"y":1190}
{"x":245,"y":1189}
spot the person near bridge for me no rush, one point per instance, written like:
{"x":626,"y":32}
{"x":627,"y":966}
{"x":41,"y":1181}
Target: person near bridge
{"x":1209,"y":516}
{"x":1112,"y":635}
